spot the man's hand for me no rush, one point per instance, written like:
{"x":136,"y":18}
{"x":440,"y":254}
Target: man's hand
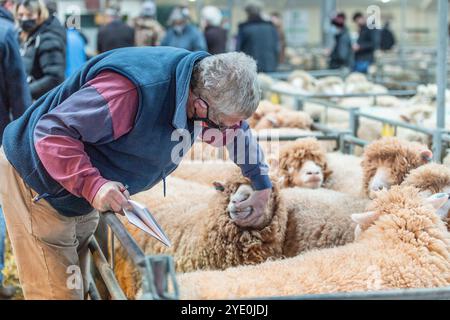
{"x":258,"y":202}
{"x":356,"y":47}
{"x":112,"y":196}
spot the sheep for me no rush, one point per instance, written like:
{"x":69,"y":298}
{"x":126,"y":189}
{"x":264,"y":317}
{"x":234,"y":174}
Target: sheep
{"x":429,"y":179}
{"x":265,"y":107}
{"x":302,"y":80}
{"x":387,"y":161}
{"x":330,"y":85}
{"x":318,"y":218}
{"x":206,"y":231}
{"x":204,"y":172}
{"x":401,"y":243}
{"x":346,"y":173}
{"x":303,"y":164}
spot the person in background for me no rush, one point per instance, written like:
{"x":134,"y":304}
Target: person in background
{"x":277,"y":21}
{"x":259,"y":39}
{"x":182,"y":34}
{"x":115,"y":34}
{"x":76,"y":52}
{"x":365,"y":46}
{"x":387,"y":38}
{"x":215,"y":35}
{"x":44,"y":47}
{"x":342,"y":53}
{"x":148,"y":31}
{"x":15,"y":97}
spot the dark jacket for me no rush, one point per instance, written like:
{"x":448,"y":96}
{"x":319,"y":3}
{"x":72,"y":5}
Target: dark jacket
{"x":114,"y":35}
{"x":367,"y":42}
{"x":387,"y":39}
{"x":216,"y":39}
{"x":44,"y":57}
{"x":142,"y":157}
{"x":342,"y":54}
{"x":14,"y":92}
{"x":259,"y":39}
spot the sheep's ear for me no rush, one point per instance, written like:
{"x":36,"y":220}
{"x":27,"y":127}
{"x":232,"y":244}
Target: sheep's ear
{"x":426,"y":155}
{"x":437,"y":200}
{"x":219,"y":186}
{"x":364,"y":218}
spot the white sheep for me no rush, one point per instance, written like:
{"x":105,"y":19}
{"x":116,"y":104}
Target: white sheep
{"x":402,"y":243}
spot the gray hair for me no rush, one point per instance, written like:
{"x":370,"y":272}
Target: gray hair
{"x":229,"y":83}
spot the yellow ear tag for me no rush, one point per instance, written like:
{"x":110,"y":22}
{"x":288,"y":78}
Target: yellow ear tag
{"x":275,"y":98}
{"x":387,"y":130}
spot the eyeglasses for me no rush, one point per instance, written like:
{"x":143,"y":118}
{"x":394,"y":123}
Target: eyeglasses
{"x":211,"y":124}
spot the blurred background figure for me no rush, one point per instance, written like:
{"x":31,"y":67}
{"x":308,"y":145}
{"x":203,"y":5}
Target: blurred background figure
{"x":259,"y":39}
{"x":365,"y":46}
{"x":387,"y":38}
{"x":75,"y":51}
{"x":14,"y":99}
{"x":215,"y":34}
{"x":115,"y":33}
{"x":183,"y":34}
{"x":277,"y":21}
{"x":44,"y":46}
{"x":149,"y":31}
{"x":342,"y":54}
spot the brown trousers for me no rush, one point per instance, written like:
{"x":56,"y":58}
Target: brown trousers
{"x":51,"y":250}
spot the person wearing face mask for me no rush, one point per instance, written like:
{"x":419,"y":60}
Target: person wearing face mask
{"x":182,"y":34}
{"x":342,"y":53}
{"x":14,"y":99}
{"x":60,"y":168}
{"x":44,"y":46}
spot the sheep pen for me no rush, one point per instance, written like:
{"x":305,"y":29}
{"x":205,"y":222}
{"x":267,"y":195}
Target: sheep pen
{"x":403,"y":244}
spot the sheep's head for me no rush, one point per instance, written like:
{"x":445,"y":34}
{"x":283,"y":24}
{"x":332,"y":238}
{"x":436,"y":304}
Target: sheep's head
{"x":303,"y":164}
{"x":430,"y":179}
{"x":387,"y":161}
{"x":238,"y":189}
{"x":403,"y":212}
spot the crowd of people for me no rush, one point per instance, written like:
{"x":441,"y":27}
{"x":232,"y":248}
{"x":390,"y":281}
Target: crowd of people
{"x":357,"y":54}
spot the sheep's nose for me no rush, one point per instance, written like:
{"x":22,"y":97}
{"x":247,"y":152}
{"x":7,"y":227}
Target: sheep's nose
{"x":313,"y":173}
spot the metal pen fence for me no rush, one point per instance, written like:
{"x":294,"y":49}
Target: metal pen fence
{"x":157,"y":271}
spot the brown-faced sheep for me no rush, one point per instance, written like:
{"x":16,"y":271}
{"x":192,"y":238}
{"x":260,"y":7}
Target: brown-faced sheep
{"x":303,"y":164}
{"x":207,"y":232}
{"x":265,"y":107}
{"x":403,"y":244}
{"x":386,"y":162}
{"x":429,"y":179}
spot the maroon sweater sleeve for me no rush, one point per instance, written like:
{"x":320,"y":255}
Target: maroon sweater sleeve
{"x":102,"y":111}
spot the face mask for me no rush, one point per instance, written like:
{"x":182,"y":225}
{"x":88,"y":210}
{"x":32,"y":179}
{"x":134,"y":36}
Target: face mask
{"x":28,"y":25}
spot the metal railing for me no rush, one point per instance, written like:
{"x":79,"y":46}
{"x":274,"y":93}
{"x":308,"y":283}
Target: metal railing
{"x":401,"y":294}
{"x":157,"y":272}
